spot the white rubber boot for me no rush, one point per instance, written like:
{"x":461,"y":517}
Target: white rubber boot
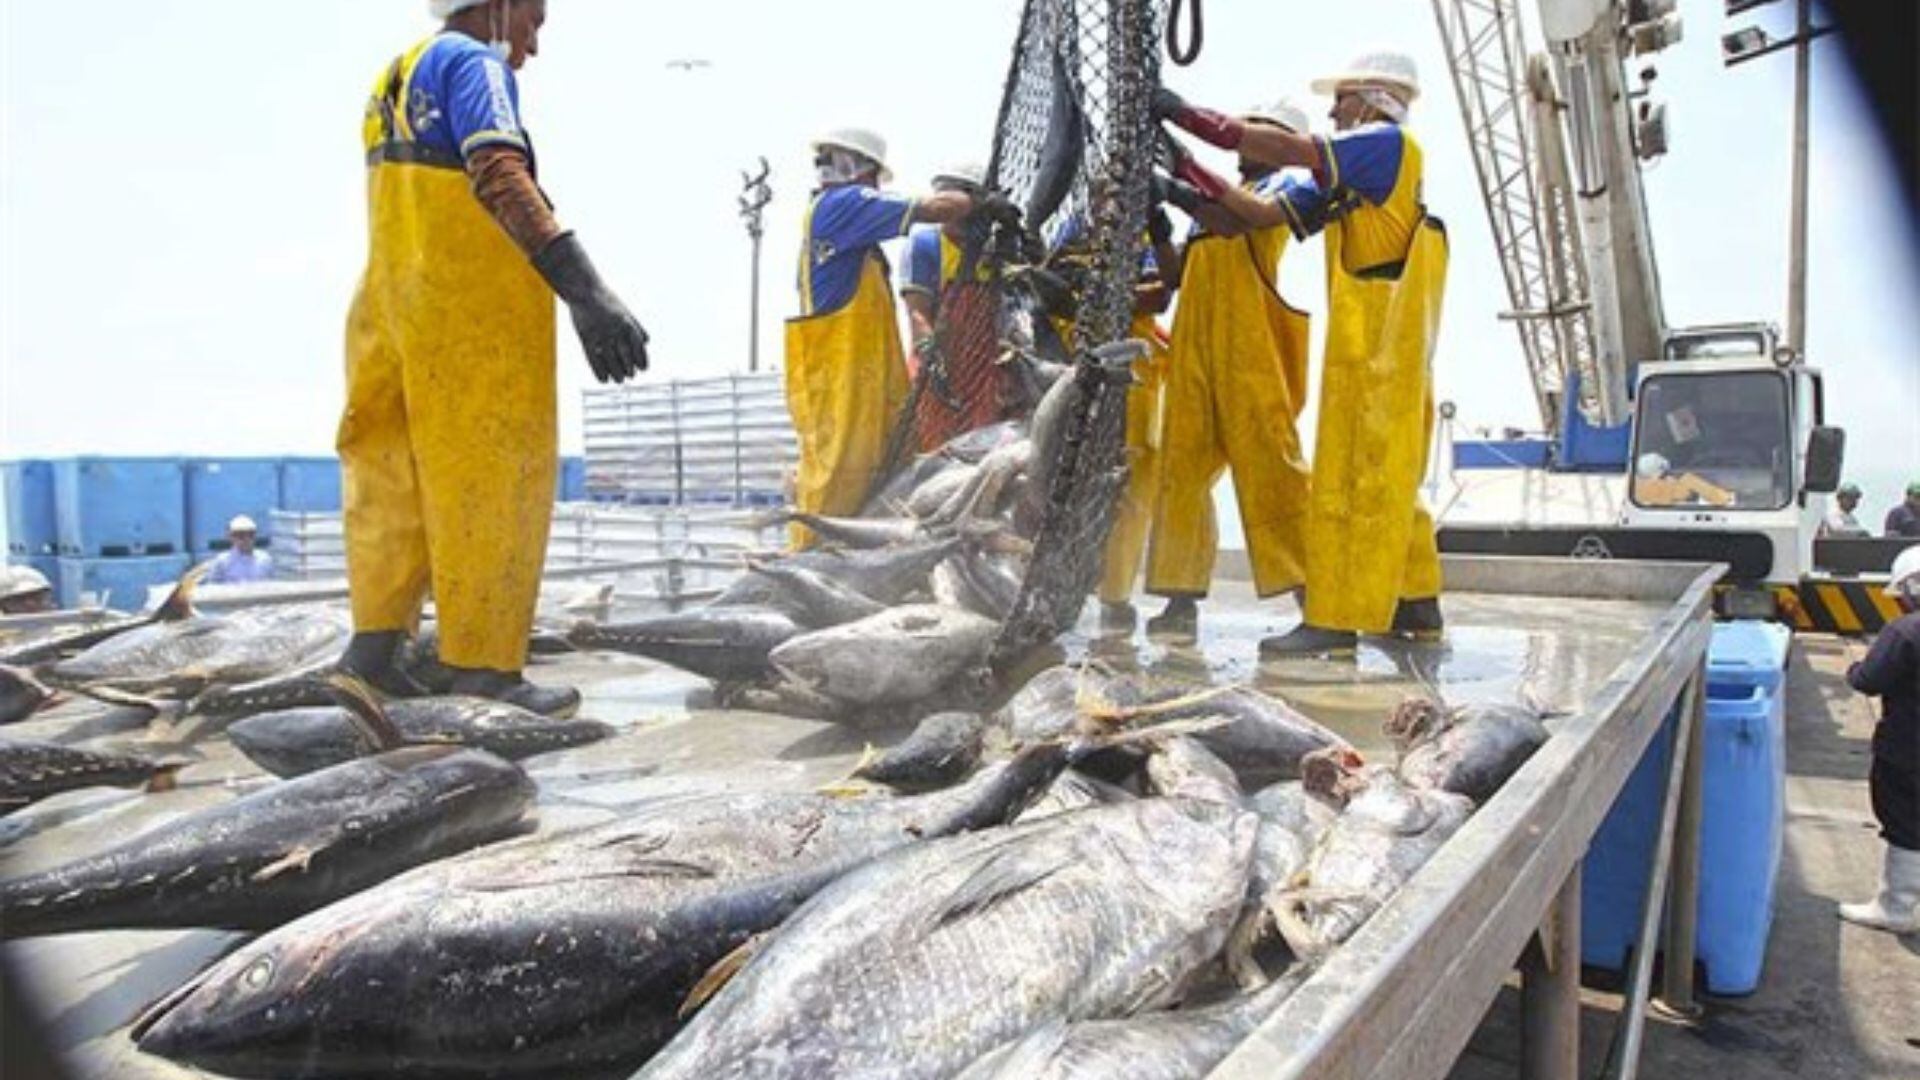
{"x":1897,"y":908}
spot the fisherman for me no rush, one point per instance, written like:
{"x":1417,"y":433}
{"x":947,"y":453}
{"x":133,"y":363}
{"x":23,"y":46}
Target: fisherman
{"x":846,"y":376}
{"x":1372,"y":561}
{"x":1234,"y":392}
{"x":933,"y":260}
{"x":24,"y":591}
{"x":240,"y":563}
{"x":1840,"y":522}
{"x":1146,"y":409}
{"x":1891,"y":672}
{"x":1904,"y":519}
{"x":448,"y":440}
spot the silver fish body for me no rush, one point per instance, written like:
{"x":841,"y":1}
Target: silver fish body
{"x":940,"y":750}
{"x":1472,"y":751}
{"x":901,"y":655}
{"x":298,"y":741}
{"x":725,"y":644}
{"x":33,"y":769}
{"x":185,"y":657}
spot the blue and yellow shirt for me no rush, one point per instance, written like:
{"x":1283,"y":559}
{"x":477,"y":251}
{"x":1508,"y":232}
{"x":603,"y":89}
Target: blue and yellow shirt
{"x":933,"y":259}
{"x":845,"y":227}
{"x":1372,"y":188}
{"x":459,"y":97}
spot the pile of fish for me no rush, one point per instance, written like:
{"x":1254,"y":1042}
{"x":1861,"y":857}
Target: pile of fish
{"x":898,"y":606}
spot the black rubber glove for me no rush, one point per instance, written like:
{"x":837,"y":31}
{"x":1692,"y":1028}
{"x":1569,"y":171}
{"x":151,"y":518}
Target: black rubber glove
{"x":615,"y":343}
{"x":1159,"y":225}
{"x":999,"y":208}
{"x":1165,"y":189}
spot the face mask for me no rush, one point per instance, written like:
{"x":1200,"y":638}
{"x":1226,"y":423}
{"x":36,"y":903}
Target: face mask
{"x":497,"y":43}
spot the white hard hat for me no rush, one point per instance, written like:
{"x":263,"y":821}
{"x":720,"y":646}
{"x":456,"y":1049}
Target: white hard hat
{"x":1375,"y":67}
{"x":1283,"y":111}
{"x":242,"y":523}
{"x":22,"y":581}
{"x":868,"y":144}
{"x":1905,"y":579}
{"x":1652,"y":465}
{"x":970,"y":174}
{"x":447,"y":9}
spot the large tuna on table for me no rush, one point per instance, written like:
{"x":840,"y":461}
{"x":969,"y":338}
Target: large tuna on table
{"x":725,"y":644}
{"x":548,"y":956}
{"x":901,"y":655}
{"x":264,"y":858}
{"x":920,"y":962}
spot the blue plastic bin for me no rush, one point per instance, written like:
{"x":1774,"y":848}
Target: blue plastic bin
{"x":123,"y":581}
{"x":219,"y":488}
{"x":113,"y":507}
{"x":310,"y":485}
{"x":32,"y":527}
{"x":1743,"y":775}
{"x":573,"y":479}
{"x":49,"y":567}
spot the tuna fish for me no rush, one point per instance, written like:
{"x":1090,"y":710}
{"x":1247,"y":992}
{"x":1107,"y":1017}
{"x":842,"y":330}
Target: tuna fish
{"x":942,"y":748}
{"x":21,"y":695}
{"x":1154,"y":1046}
{"x":1382,"y":837}
{"x":922,"y":961}
{"x":1182,"y":767}
{"x":264,"y":858}
{"x":927,"y":499}
{"x":888,"y":575}
{"x":1470,"y":751}
{"x":53,"y":644}
{"x":1263,"y":738}
{"x":1048,"y":704}
{"x":1074,"y":790}
{"x":816,"y":600}
{"x":901,"y":655}
{"x":183,"y":658}
{"x":859,"y":532}
{"x":725,"y":644}
{"x":552,"y":955}
{"x":31,"y":770}
{"x":299,"y":741}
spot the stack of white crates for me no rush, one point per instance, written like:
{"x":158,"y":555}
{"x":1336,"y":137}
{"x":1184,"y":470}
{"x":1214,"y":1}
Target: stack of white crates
{"x":723,"y":441}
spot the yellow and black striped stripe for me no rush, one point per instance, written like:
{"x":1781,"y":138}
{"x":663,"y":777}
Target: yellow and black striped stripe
{"x":1832,"y":606}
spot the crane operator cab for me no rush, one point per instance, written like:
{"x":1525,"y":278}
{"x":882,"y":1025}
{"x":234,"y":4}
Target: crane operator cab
{"x":1729,"y":434}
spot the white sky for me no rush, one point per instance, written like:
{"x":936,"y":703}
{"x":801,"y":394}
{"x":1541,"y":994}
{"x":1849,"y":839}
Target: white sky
{"x":182,"y":220}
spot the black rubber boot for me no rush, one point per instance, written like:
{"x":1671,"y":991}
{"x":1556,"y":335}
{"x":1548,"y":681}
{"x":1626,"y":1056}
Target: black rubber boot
{"x":1180,"y":617}
{"x":1120,"y":616}
{"x":1418,"y":620}
{"x":1306,"y":640}
{"x":509,"y":687}
{"x":371,"y":658}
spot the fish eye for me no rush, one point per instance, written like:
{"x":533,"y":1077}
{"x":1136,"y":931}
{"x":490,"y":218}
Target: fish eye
{"x":258,"y":974}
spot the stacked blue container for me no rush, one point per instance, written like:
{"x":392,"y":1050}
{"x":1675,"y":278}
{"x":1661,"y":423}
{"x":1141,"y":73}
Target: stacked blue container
{"x":218,"y":489}
{"x":1743,"y":776}
{"x":111,"y":507}
{"x":310,"y":485}
{"x":31,"y":529}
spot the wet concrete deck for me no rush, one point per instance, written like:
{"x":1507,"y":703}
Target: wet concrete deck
{"x":90,"y":986}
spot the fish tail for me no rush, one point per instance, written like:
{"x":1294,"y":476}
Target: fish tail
{"x":721,"y":973}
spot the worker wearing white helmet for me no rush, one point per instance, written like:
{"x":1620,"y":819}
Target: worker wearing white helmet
{"x":1373,"y":565}
{"x":24,"y":590}
{"x":242,"y":562}
{"x":1891,"y":672}
{"x":448,"y":439}
{"x":1235,"y":384}
{"x":846,"y":371}
{"x":933,"y":259}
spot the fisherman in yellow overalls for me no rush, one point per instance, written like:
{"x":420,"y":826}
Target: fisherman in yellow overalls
{"x":846,"y":374}
{"x":1234,"y":393}
{"x":447,"y":444}
{"x":1373,"y":566}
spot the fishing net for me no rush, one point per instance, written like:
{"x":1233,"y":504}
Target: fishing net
{"x":1073,"y":148}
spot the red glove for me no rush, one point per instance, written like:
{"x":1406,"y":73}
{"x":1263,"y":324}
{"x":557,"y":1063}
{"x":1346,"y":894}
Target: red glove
{"x":1217,"y":128}
{"x":1209,"y":184}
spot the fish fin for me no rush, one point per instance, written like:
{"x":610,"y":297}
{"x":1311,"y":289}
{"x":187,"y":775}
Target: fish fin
{"x":369,"y":719}
{"x":1246,"y":936}
{"x":178,"y":605}
{"x":720,"y":974}
{"x":297,"y":859}
{"x":773,"y":519}
{"x":868,"y":755}
{"x":112,"y":696}
{"x":1002,"y":876}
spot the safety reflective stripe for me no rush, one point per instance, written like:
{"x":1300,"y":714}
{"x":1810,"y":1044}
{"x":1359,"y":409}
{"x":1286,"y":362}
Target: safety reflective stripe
{"x":1841,"y":610}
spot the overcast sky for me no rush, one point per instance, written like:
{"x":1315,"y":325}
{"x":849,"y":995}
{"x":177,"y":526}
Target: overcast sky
{"x":181,"y":202}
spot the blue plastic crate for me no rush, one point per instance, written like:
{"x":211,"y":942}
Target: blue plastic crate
{"x":124,"y":582}
{"x":573,"y":479}
{"x":32,"y":525}
{"x":219,"y":488}
{"x":1743,"y":801}
{"x":49,"y":567}
{"x":310,"y":485}
{"x":113,"y":507}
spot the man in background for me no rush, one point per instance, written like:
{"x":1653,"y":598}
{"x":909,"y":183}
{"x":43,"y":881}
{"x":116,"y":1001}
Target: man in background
{"x":1904,"y":520}
{"x":1840,"y":521}
{"x":240,"y":563}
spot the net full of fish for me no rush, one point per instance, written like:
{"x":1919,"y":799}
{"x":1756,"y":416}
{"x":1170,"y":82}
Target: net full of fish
{"x":549,"y":955}
{"x":922,"y":961}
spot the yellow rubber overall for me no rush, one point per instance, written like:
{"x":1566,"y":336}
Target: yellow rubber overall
{"x":448,"y":443}
{"x":1133,"y":518}
{"x":1234,"y":389}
